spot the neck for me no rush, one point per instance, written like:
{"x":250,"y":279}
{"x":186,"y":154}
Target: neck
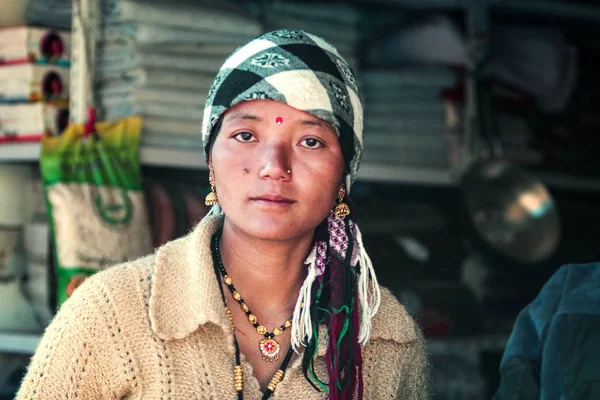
{"x":267,"y":273}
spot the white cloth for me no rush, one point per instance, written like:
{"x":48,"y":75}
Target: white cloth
{"x":539,"y":61}
{"x":112,"y":59}
{"x":139,"y":77}
{"x":435,"y":40}
{"x":337,"y":14}
{"x":420,"y":77}
{"x":182,"y":14}
{"x":144,"y":34}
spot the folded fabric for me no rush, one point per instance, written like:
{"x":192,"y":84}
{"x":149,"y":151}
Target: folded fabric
{"x":163,"y":110}
{"x":181,"y":14}
{"x":170,"y":126}
{"x":146,"y":95}
{"x":29,"y":122}
{"x":204,"y":49}
{"x":110,"y":60}
{"x":345,"y":41}
{"x":427,"y":139}
{"x":175,"y":97}
{"x":432,"y":41}
{"x":158,"y":139}
{"x":25,"y":44}
{"x":49,"y":13}
{"x":398,"y":126}
{"x":376,"y":21}
{"x":406,"y":110}
{"x":407,"y":77}
{"x":333,"y":33}
{"x":538,"y":60}
{"x":375,"y":95}
{"x":117,"y":110}
{"x":138,"y":77}
{"x":33,"y":82}
{"x":144,"y":34}
{"x":333,"y":13}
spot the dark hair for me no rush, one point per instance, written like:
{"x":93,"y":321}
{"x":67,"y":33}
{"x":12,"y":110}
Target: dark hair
{"x":213,"y":136}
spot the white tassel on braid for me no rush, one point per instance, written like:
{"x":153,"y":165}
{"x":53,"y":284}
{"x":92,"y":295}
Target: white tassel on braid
{"x":369,"y":299}
{"x":369,"y":293}
{"x":301,"y":323}
{"x":215,"y":210}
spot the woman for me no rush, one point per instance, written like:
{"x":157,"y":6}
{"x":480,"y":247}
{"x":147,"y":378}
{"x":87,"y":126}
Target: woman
{"x":278,"y":259}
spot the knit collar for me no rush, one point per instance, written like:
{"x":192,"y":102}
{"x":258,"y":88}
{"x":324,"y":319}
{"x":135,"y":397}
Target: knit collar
{"x":185,"y":293}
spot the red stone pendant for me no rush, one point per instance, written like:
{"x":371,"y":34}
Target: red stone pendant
{"x":269,"y":349}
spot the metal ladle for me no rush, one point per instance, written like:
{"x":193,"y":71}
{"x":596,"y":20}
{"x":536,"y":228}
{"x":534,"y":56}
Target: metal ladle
{"x":510,"y":209}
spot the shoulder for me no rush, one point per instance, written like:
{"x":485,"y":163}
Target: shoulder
{"x":396,"y":361}
{"x":123,"y":286}
{"x":393,"y":322}
{"x":574,"y":286}
{"x":577,"y":275}
{"x":98,"y":327}
{"x":119,"y":277}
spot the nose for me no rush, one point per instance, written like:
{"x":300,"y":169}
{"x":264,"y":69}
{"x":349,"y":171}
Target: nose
{"x":276,"y":162}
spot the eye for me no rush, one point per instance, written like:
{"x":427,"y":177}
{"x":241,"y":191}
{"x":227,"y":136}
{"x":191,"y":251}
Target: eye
{"x":244,"y":137}
{"x":311,"y":143}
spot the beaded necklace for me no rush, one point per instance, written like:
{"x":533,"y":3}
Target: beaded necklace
{"x":238,"y":369}
{"x":269,"y":347}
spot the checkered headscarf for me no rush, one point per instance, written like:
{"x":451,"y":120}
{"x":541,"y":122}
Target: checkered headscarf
{"x":300,"y":70}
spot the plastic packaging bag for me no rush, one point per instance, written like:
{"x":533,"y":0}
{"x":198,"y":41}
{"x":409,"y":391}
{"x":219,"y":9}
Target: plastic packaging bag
{"x":95,"y":200}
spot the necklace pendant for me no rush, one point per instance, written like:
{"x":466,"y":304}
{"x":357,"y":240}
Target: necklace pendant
{"x":270,"y":349}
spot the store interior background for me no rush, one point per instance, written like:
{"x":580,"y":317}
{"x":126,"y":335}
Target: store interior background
{"x":413,"y":60}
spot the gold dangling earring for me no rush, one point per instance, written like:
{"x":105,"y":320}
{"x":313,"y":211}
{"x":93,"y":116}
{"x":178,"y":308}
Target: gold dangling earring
{"x":342,"y":210}
{"x":211,"y":198}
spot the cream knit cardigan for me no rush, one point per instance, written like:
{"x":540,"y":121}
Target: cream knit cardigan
{"x":156,"y":328}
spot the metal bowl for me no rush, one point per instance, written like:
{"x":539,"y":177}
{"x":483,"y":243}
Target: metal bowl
{"x":511,"y":210}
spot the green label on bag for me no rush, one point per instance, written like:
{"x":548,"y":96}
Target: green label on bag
{"x":113,"y":211}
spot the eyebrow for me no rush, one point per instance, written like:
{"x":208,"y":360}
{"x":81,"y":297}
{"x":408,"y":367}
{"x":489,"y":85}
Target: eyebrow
{"x":240,"y":115}
{"x":317,"y":122}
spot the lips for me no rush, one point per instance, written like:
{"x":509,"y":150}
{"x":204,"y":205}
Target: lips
{"x":273,"y":198}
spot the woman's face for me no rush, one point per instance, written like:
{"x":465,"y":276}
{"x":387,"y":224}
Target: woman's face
{"x":258,"y":143}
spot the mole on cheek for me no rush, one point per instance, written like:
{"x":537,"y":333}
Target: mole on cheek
{"x":246,"y":170}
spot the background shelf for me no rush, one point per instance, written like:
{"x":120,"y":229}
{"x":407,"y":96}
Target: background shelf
{"x":20,"y":343}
